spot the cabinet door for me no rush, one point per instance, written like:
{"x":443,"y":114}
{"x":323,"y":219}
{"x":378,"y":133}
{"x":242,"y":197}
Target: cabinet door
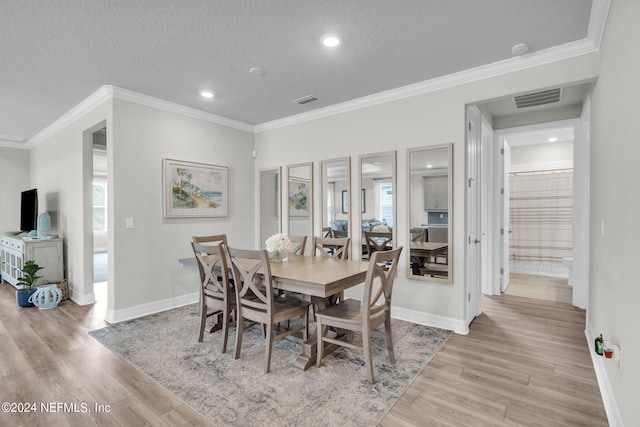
{"x":430,"y":193}
{"x":443,"y":193}
{"x":47,"y":255}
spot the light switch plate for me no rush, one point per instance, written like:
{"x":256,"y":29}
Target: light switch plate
{"x":128,"y":223}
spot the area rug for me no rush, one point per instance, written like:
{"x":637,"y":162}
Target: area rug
{"x":231,"y":392}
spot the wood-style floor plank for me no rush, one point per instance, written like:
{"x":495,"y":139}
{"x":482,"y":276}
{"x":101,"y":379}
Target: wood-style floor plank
{"x":524,"y":362}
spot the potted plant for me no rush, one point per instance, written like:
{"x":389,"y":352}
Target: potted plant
{"x":27,"y":282}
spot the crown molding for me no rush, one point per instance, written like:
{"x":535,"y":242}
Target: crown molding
{"x":546,"y":56}
{"x":598,"y":20}
{"x":88,"y":104}
{"x":161,"y":104}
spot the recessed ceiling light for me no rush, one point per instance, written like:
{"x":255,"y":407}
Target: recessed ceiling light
{"x":553,"y":139}
{"x":206,"y":94}
{"x":429,"y":166}
{"x":330,"y":40}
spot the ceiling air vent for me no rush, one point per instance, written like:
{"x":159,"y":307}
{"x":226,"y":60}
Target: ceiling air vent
{"x":538,"y":98}
{"x":306,"y":100}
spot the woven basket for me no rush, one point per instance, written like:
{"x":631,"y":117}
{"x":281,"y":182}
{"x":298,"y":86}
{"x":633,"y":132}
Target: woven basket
{"x":64,"y":287}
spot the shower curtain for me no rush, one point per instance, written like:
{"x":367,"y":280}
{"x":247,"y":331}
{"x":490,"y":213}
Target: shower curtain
{"x":541,"y":222}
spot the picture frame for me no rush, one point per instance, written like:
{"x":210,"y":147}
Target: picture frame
{"x":298,"y":197}
{"x":345,"y":201}
{"x":195,"y":190}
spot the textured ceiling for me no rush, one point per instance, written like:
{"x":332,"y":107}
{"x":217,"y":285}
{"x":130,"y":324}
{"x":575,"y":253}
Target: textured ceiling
{"x":56,"y":53}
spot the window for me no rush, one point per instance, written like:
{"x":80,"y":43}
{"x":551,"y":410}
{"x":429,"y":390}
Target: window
{"x":99,"y":205}
{"x":386,"y":203}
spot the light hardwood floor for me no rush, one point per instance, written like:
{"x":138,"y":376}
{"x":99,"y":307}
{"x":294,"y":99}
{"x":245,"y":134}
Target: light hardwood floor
{"x":540,"y":287}
{"x":524,"y":362}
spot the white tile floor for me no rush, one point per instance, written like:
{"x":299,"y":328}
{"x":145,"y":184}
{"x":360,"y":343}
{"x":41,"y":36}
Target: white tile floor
{"x":540,"y":287}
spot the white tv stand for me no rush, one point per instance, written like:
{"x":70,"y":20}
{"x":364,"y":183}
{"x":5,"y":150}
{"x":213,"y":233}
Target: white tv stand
{"x":16,"y":250}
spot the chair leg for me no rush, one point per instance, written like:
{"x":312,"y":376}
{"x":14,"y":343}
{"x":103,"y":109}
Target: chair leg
{"x":389,"y":337}
{"x":320,"y":346}
{"x":203,"y":320}
{"x":225,"y":330}
{"x":239,"y":332}
{"x":267,"y":362}
{"x":368,"y":361}
{"x":305,"y":331}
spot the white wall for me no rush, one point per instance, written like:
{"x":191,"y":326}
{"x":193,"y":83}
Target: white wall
{"x":542,"y":156}
{"x":431,"y":118}
{"x":615,"y":204}
{"x":58,"y":168}
{"x":14,"y":176}
{"x":144,"y":260}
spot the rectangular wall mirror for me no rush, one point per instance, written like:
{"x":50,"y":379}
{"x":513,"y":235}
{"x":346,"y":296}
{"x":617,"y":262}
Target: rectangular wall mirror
{"x":335,"y":197}
{"x":429,"y":180}
{"x":270,"y":202}
{"x":300,"y":201}
{"x":377,"y":178}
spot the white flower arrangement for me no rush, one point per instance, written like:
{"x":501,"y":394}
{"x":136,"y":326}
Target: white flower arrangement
{"x":278,"y":243}
{"x":381,"y":228}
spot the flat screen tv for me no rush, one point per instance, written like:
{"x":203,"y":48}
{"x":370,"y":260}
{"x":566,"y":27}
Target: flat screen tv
{"x":29,"y":210}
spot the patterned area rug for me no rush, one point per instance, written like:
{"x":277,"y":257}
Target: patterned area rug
{"x":232,"y":392}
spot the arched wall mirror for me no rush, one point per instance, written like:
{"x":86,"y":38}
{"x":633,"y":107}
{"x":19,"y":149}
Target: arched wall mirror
{"x":335,"y":196}
{"x":300,"y":201}
{"x":429,"y":180}
{"x":270,"y":203}
{"x":377,"y":178}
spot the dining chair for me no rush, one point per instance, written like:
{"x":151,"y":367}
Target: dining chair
{"x":340,"y":234}
{"x":216,"y":239}
{"x":301,"y":242}
{"x":331,"y":247}
{"x":356,"y":316}
{"x":437,"y":265}
{"x":327,"y":232}
{"x":377,"y":241}
{"x":216,"y":296}
{"x":417,"y":234}
{"x":257,"y":302}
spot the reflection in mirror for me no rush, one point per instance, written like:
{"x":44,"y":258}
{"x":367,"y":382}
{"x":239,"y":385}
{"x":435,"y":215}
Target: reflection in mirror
{"x":270,"y":184}
{"x":429,"y":180}
{"x":300,"y":201}
{"x":335,"y":190}
{"x":377,"y":201}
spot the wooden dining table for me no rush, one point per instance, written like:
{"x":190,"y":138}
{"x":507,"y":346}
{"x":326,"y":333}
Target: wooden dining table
{"x":426,"y":250}
{"x":310,"y":275}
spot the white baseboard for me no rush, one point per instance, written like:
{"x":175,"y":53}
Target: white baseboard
{"x":82,"y":299}
{"x":457,"y":326}
{"x":608,"y":399}
{"x":115,"y":316}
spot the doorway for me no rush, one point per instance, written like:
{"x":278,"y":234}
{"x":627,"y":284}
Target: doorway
{"x":99,"y":216}
{"x":538,"y":211}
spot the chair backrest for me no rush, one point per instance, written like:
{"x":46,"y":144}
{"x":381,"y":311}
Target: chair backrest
{"x":216,"y":239}
{"x":253,"y":282}
{"x":214,"y":273}
{"x":439,"y":234}
{"x":377,"y":241}
{"x":417,"y":234}
{"x":340,"y":234}
{"x":301,"y":242}
{"x":327,"y":232}
{"x":331,"y":247}
{"x":382,"y":266}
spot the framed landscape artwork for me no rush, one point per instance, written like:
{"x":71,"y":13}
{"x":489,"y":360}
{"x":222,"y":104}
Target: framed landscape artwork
{"x":195,"y":189}
{"x":298,"y":197}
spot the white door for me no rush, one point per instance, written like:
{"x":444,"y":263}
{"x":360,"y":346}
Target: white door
{"x":504,"y":229}
{"x":473,"y":257}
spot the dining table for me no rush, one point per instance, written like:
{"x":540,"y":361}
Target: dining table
{"x":313,"y":276}
{"x":425,"y":250}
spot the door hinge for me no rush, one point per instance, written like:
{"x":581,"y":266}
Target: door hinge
{"x":470,"y":179}
{"x":469,"y":125}
{"x":469,"y":296}
{"x":502,"y":151}
{"x":502,"y":191}
{"x":502,"y":271}
{"x":502,"y":231}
